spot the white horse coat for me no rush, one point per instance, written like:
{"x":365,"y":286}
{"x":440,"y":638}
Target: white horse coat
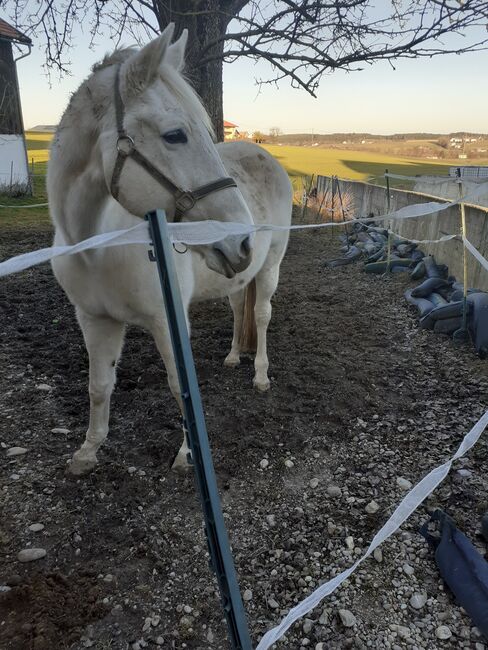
{"x":115,"y":286}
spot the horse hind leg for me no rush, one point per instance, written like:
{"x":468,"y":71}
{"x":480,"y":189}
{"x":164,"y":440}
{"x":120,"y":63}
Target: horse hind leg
{"x":237,"y":303}
{"x":104,"y":339}
{"x":266,"y":284}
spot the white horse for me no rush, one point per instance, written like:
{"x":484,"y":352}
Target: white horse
{"x":132,"y":136}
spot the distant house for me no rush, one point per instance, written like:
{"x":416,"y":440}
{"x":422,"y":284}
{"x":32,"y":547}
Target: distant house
{"x":14,"y":169}
{"x":230,"y":131}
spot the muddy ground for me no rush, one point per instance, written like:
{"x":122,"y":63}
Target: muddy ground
{"x":360,"y":396}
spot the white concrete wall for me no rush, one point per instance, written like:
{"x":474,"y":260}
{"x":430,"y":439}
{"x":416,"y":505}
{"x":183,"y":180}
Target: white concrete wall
{"x":12,"y":150}
{"x":449,"y":190}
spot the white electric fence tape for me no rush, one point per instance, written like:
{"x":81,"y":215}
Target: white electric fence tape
{"x":475,"y":253}
{"x":410,"y":503}
{"x":193,"y":233}
{"x":26,"y":205}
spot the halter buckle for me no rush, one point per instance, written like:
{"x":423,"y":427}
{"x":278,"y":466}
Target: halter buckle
{"x":184,"y":202}
{"x":127,"y":148}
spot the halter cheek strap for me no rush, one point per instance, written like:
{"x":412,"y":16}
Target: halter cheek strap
{"x":184,"y":199}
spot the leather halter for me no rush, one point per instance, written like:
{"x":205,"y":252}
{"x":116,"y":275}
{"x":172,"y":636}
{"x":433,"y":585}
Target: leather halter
{"x":184,"y":199}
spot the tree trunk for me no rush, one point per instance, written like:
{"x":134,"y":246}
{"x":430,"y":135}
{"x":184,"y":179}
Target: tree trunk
{"x":206,"y":21}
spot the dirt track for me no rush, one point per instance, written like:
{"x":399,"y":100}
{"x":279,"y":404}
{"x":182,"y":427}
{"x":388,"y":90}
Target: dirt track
{"x":359,"y":397}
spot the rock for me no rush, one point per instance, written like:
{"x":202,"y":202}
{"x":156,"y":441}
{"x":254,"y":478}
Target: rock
{"x":348,"y":619}
{"x":372,"y":508}
{"x":314,"y":483}
{"x":417,"y":601}
{"x":247,"y":595}
{"x":408,"y":570}
{"x":31,"y":554}
{"x":132,"y":469}
{"x":61,"y":430}
{"x":378,"y":554}
{"x":264,"y":463}
{"x":273,"y":604}
{"x":443,"y":632}
{"x":403,"y":483}
{"x":289,"y":463}
{"x":271,"y":520}
{"x":159,"y":640}
{"x":464,"y":473}
{"x":44,"y":387}
{"x":16,"y":451}
{"x":334,"y":491}
{"x":320,"y":646}
{"x":307,"y":626}
{"x":35,"y":528}
{"x":349,"y":543}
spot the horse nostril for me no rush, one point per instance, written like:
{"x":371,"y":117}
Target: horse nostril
{"x":246,"y":246}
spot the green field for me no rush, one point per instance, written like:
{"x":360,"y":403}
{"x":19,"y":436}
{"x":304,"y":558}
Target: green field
{"x":357,"y":165}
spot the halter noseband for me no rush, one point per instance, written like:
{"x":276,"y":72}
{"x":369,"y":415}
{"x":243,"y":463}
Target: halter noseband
{"x":184,"y":199}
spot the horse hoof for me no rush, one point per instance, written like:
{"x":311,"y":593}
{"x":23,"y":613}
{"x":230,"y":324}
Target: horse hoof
{"x":181,"y":464}
{"x":262,"y":386}
{"x":80,"y":466}
{"x":231,"y":361}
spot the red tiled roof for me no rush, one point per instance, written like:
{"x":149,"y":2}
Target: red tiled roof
{"x":12,"y":34}
{"x":229,"y":125}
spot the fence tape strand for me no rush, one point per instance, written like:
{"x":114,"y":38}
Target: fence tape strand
{"x":204,"y":233}
{"x":406,"y":507}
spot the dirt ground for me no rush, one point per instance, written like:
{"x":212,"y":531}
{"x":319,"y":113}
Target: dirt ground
{"x":360,"y":396}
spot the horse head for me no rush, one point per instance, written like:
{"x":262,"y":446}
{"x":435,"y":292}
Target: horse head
{"x":158,"y":150}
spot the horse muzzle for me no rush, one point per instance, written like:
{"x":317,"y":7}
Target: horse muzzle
{"x":230,"y":256}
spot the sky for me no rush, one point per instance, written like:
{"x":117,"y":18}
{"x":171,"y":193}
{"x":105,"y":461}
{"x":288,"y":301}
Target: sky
{"x":441,"y":95}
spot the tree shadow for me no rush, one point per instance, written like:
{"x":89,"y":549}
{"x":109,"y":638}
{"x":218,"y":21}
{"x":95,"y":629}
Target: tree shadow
{"x":374,"y":172}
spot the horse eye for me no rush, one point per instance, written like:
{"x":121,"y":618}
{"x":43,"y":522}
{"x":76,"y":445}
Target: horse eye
{"x":177,"y":136}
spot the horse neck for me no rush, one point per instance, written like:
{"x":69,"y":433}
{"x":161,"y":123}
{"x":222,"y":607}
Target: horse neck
{"x":76,"y":183}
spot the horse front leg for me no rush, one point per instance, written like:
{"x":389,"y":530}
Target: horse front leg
{"x":162,"y":339}
{"x":266,"y":283}
{"x":104,"y":338}
{"x":237,"y":303}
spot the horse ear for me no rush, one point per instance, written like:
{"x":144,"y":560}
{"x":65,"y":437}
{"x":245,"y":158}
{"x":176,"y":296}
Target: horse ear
{"x":143,"y":66}
{"x":175,"y":54}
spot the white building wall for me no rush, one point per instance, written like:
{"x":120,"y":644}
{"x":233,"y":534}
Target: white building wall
{"x":12,"y":150}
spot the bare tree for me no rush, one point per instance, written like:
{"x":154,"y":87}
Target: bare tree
{"x":275,"y":131}
{"x":301,"y":40}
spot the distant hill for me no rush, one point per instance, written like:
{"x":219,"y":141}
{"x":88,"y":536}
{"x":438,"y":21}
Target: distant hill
{"x":349,"y":138}
{"x":44,"y":128}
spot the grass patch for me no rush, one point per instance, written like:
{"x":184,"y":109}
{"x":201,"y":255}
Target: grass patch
{"x":367,"y":166}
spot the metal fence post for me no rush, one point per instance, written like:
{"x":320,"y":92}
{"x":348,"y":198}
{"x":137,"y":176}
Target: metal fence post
{"x":218,"y":542}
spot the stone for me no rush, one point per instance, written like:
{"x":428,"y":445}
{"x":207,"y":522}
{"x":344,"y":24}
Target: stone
{"x":264,"y":463}
{"x":372,"y":507}
{"x":16,"y":451}
{"x":271,"y":520}
{"x":273,"y":604}
{"x":443,"y":632}
{"x":334,"y":491}
{"x":289,"y":463}
{"x":35,"y":528}
{"x":314,"y":483}
{"x":132,"y":470}
{"x":403,"y":483}
{"x":378,"y":555}
{"x":417,"y":601}
{"x":247,"y":595}
{"x":408,"y":570}
{"x":61,"y":430}
{"x":347,"y":618}
{"x":307,"y":626}
{"x":31,"y":554}
{"x":44,"y":387}
{"x":349,"y":543}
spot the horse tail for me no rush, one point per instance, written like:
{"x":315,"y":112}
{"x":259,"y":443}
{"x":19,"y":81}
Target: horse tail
{"x":248,"y":336}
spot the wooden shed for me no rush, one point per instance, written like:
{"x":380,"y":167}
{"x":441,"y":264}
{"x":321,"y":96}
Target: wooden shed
{"x":14,"y":169}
